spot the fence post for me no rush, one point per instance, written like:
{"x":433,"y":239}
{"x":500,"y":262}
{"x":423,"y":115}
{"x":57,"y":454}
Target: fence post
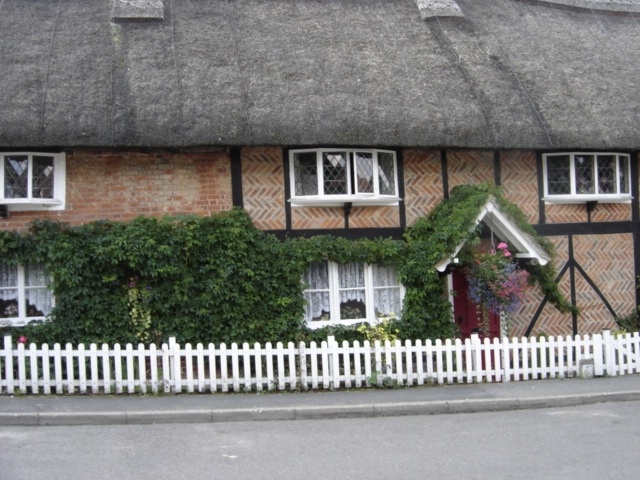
{"x":173,"y":375}
{"x":476,"y":358}
{"x":609,"y":360}
{"x":8,"y":362}
{"x":598,"y":355}
{"x":334,"y":368}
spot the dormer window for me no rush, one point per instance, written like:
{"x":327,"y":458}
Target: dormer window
{"x":330,"y":177}
{"x":584,"y":177}
{"x":32,"y":181}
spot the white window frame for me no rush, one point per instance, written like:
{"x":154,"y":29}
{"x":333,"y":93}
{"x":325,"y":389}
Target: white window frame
{"x":577,"y":197}
{"x":352,"y":196}
{"x":334,"y":298}
{"x":30,"y":203}
{"x":21,"y":286}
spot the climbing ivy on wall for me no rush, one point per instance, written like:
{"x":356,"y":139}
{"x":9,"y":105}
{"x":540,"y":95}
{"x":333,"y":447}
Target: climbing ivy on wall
{"x":220,"y":279}
{"x":436,"y":236}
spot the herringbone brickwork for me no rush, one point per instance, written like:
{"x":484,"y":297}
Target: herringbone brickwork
{"x":611,"y":212}
{"x":422,"y":183}
{"x":469,"y":167}
{"x":305,"y":218}
{"x":608,"y":261}
{"x":121,"y":185}
{"x":519,"y":181}
{"x":263,"y":187}
{"x":565,"y":213}
{"x":374,"y":217}
{"x":550,"y":321}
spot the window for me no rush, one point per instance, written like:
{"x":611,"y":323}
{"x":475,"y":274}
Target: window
{"x":350,"y":293}
{"x":327,"y":177}
{"x":582,"y":177}
{"x":24,"y":294}
{"x":32,"y":181}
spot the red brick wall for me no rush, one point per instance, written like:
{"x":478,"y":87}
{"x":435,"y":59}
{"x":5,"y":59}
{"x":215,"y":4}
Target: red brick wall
{"x":121,"y":185}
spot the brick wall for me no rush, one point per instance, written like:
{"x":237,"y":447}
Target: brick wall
{"x":121,"y":185}
{"x":422,"y":182}
{"x":519,"y":181}
{"x":263,"y":187}
{"x":469,"y":167}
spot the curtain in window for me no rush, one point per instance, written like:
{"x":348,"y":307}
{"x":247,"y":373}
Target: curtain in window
{"x":38,"y":297}
{"x":386,"y":292}
{"x":317,"y":298}
{"x":8,"y":291}
{"x":353,"y":298}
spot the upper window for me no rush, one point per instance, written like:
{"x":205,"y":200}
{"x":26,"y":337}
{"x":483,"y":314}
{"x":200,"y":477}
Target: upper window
{"x":350,"y":293}
{"x":24,"y":294}
{"x":328,"y":177}
{"x":582,"y":177}
{"x":32,"y":181}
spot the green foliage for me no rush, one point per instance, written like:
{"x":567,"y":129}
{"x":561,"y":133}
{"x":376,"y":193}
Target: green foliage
{"x":199,"y":278}
{"x":219,"y":279}
{"x":427,"y":312}
{"x":629,"y":323}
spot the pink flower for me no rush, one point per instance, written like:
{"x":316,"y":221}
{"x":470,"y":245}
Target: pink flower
{"x":22,"y":339}
{"x":502,"y":246}
{"x":507,"y":253}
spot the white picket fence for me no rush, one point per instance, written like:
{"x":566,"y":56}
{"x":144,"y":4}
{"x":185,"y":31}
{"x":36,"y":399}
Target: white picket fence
{"x":173,"y":368}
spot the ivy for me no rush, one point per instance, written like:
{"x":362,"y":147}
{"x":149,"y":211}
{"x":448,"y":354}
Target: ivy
{"x":220,"y":279}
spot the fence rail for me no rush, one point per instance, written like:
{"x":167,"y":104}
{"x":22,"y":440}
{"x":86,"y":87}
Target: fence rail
{"x":173,"y":368}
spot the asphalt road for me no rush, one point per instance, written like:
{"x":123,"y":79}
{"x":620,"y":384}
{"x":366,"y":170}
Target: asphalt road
{"x":581,"y":442}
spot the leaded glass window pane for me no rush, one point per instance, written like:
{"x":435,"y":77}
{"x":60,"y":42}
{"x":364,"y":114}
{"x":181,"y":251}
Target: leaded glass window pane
{"x":584,"y":166}
{"x":559,"y":175}
{"x":386,"y":173}
{"x":305,"y":169}
{"x":318,"y":303}
{"x":42,"y":186}
{"x":623,"y":175}
{"x":353,"y":302}
{"x":16,"y":176}
{"x":334,"y":168}
{"x":364,"y":169}
{"x":606,"y":174}
{"x":8,"y":291}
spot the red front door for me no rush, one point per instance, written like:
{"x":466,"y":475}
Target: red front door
{"x":465,"y":313}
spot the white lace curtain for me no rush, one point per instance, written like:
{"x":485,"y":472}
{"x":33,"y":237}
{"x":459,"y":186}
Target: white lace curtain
{"x":38,"y":298}
{"x":352,"y":290}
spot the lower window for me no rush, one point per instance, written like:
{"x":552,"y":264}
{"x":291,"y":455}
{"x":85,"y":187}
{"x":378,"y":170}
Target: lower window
{"x":24,"y":294}
{"x":351,"y":293}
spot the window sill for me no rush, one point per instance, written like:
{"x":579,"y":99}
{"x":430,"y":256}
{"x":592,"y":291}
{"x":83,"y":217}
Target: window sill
{"x":340,"y":200}
{"x":20,"y":322}
{"x":577,"y":199}
{"x":26,"y":205}
{"x":312,"y":325}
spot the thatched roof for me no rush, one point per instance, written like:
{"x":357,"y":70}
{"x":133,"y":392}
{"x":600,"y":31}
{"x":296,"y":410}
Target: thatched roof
{"x":497,"y":73}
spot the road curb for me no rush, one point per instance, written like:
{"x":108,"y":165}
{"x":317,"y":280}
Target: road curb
{"x":438,"y":407}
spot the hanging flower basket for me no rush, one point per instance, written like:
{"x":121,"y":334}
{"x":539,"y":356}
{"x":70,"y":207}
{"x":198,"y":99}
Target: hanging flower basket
{"x":496,"y":283}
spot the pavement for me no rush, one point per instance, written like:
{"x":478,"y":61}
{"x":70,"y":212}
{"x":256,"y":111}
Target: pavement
{"x":41,"y":410}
